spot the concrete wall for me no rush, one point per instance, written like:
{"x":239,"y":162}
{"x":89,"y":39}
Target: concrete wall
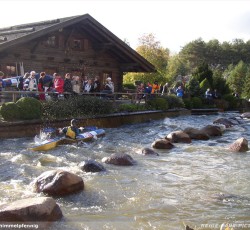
{"x":32,"y":128}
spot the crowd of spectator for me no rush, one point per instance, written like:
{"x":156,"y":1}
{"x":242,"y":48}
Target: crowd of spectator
{"x":46,"y":87}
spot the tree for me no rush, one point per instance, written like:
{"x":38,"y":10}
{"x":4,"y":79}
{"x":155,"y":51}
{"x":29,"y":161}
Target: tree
{"x":219,"y":83}
{"x":151,"y":50}
{"x":176,"y":66}
{"x":194,"y":52}
{"x":204,"y":72}
{"x":193,"y":87}
{"x":237,"y":77}
{"x":246,"y":87}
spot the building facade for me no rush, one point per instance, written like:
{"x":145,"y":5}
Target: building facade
{"x":78,"y":45}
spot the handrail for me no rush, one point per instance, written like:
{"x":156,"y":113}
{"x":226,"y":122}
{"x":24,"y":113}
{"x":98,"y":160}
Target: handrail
{"x":114,"y":96}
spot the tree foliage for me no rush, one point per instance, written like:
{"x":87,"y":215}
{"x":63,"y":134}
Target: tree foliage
{"x":237,"y":76}
{"x":203,"y":72}
{"x":151,"y":50}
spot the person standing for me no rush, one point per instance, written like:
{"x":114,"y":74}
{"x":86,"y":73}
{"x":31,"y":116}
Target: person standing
{"x":2,"y":84}
{"x":30,"y":84}
{"x":179,"y":92}
{"x":76,"y":85}
{"x":97,"y":84}
{"x":41,"y":86}
{"x":89,"y":87}
{"x":155,"y":87}
{"x":139,"y":92}
{"x":67,"y":87}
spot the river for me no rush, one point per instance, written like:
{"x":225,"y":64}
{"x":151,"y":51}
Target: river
{"x":180,"y":186}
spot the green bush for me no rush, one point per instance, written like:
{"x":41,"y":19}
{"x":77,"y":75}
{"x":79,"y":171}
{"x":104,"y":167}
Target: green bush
{"x":221,"y":104}
{"x":131,"y":107}
{"x":158,"y":103}
{"x":30,"y":108}
{"x":80,"y":106}
{"x":174,"y":101}
{"x":196,"y":102}
{"x":233,"y":102}
{"x":129,"y":86}
{"x":188,"y":103}
{"x":10,"y":111}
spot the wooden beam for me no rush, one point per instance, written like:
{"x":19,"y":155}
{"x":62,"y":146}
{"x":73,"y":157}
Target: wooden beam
{"x":26,"y":30}
{"x":30,"y":25}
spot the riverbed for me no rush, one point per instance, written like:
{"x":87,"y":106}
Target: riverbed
{"x":181,"y":186}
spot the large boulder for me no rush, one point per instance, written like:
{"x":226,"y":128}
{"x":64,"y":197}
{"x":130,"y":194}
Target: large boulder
{"x":91,"y":166}
{"x":58,"y":183}
{"x":121,"y":159}
{"x":224,"y":121}
{"x":240,"y":145}
{"x":245,"y":115}
{"x":149,"y":151}
{"x":39,"y":209}
{"x":178,"y":137}
{"x":212,"y":130}
{"x":196,"y":134}
{"x":162,"y":144}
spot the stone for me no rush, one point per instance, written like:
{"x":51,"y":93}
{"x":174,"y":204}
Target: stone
{"x":149,"y":151}
{"x":58,"y":183}
{"x":196,"y":134}
{"x":119,"y":159}
{"x":178,"y":137}
{"x":245,"y":115}
{"x":162,"y":144}
{"x":212,"y":130}
{"x":224,"y":121}
{"x":91,"y":166}
{"x":240,"y":145}
{"x":38,"y":209}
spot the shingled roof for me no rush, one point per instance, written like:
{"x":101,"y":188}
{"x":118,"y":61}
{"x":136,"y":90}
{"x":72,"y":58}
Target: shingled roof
{"x":100,"y":36}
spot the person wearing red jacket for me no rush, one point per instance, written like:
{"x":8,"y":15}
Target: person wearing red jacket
{"x":58,"y":83}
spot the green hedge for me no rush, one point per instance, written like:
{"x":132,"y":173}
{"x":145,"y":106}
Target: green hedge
{"x":30,"y":108}
{"x":80,"y":106}
{"x":10,"y":111}
{"x":157,"y":103}
{"x":26,"y":108}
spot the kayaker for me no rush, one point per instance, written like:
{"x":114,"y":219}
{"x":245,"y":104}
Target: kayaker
{"x":72,"y":131}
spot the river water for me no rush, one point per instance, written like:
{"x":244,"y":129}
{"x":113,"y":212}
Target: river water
{"x":180,"y":186}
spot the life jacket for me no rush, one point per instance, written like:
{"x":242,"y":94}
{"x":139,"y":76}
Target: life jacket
{"x":71,"y":133}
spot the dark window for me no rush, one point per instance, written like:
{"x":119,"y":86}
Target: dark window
{"x":77,"y":45}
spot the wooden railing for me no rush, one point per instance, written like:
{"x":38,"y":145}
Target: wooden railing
{"x":8,"y":96}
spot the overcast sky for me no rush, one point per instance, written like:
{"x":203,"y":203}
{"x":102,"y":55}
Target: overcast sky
{"x":173,"y":23}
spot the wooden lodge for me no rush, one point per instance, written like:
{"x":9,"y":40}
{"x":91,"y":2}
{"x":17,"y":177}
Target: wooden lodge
{"x":79,"y":45}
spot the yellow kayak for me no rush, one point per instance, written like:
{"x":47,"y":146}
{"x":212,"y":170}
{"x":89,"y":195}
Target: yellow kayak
{"x":52,"y":143}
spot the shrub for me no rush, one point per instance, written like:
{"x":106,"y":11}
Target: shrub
{"x":234,"y":102}
{"x":127,"y":108}
{"x":129,"y":86}
{"x":196,"y":102}
{"x":174,"y":101}
{"x":221,"y":104}
{"x":131,"y":107}
{"x":10,"y":111}
{"x":30,"y":108}
{"x":188,"y":103}
{"x":80,"y":106}
{"x":158,"y":103}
